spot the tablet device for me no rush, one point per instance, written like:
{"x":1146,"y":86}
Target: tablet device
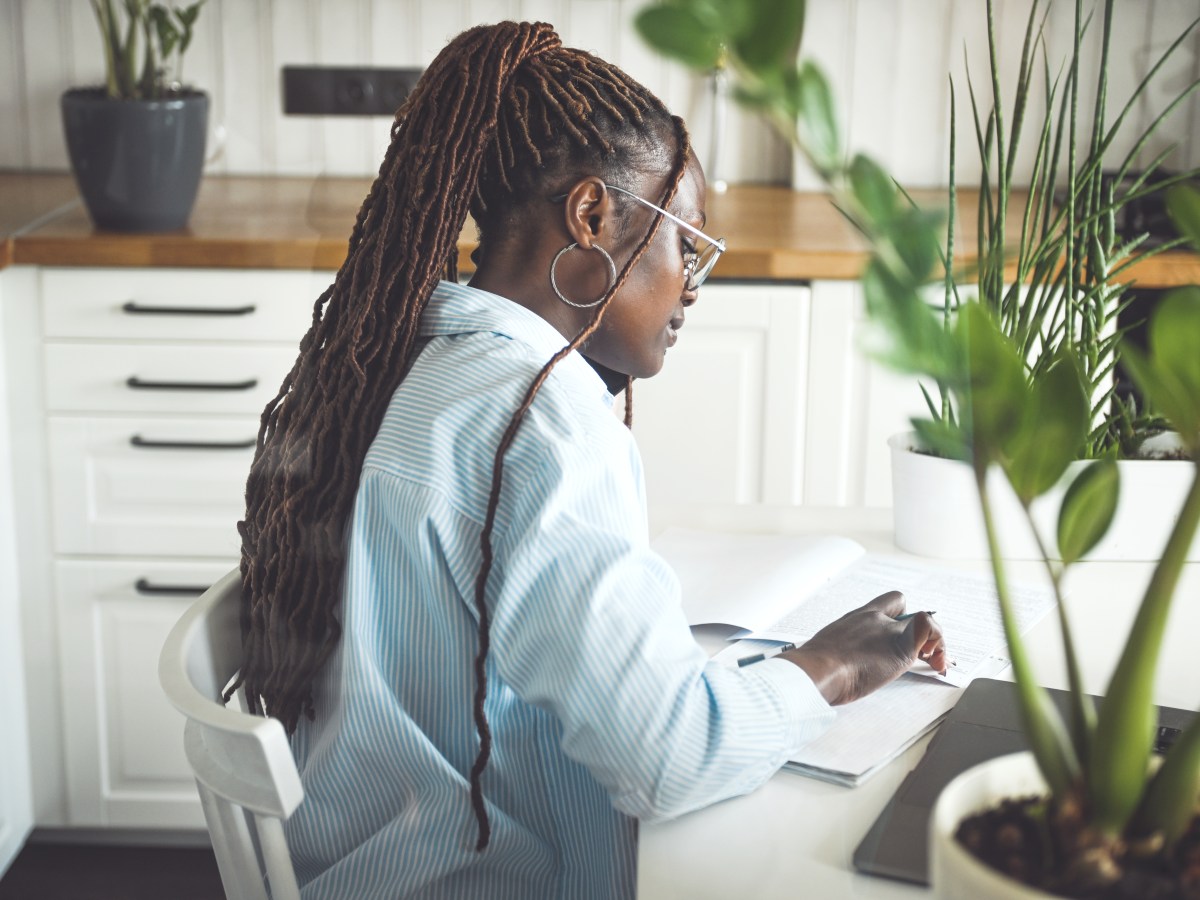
{"x":983,"y":724}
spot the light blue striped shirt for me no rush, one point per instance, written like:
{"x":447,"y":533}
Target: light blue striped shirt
{"x":603,"y":709}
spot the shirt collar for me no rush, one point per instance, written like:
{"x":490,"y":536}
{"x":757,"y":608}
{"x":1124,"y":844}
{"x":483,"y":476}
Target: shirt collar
{"x":460,"y":309}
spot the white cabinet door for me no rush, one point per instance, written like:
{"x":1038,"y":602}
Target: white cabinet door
{"x":854,"y":405}
{"x":16,"y":815}
{"x":723,"y":421}
{"x":124,"y":743}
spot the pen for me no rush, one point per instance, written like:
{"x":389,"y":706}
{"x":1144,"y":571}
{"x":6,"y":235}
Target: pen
{"x":759,"y":657}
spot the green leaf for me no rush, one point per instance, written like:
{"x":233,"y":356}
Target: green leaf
{"x":1087,"y":509}
{"x":187,"y":15}
{"x":1052,"y":434}
{"x":724,"y":18}
{"x":677,"y":32}
{"x":1183,"y":206}
{"x":942,"y":438}
{"x":1170,"y":376}
{"x":1169,"y":803}
{"x":914,"y":234}
{"x":903,"y":331}
{"x":187,"y":18}
{"x":818,"y":120}
{"x":873,"y":188}
{"x":997,"y":397}
{"x":771,"y":35}
{"x":756,"y":96}
{"x":168,"y":34}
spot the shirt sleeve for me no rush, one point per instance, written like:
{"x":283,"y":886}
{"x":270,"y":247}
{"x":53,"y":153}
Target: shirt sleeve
{"x":587,"y":624}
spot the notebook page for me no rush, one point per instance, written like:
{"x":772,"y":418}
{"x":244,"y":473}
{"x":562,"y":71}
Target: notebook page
{"x":750,"y":580}
{"x":873,"y":731}
{"x":965,"y":605}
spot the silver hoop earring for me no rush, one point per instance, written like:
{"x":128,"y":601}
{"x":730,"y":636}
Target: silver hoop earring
{"x":612,"y":276}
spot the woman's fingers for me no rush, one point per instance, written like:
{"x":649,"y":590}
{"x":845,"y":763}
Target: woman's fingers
{"x":925,"y":636}
{"x":891,"y":604}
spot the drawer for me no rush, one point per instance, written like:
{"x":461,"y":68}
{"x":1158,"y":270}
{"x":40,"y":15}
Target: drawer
{"x":123,"y":742}
{"x":149,"y":487}
{"x":180,"y":304}
{"x":167,"y":378}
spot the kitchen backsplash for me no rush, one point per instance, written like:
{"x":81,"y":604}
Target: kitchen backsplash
{"x":888,"y":61}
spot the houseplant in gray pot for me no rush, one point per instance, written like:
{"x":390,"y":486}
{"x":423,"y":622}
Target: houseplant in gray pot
{"x":137,"y":143}
{"x":1107,"y":811}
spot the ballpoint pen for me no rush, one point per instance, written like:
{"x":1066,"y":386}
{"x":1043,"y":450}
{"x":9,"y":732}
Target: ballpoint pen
{"x":759,"y":657}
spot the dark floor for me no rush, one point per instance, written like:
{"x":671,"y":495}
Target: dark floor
{"x":53,"y":871}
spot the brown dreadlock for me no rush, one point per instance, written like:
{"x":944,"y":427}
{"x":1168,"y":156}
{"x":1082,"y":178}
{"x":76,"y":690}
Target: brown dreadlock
{"x":503,"y":112}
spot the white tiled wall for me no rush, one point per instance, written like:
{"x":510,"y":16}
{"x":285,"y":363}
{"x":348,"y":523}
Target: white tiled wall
{"x":888,"y":61}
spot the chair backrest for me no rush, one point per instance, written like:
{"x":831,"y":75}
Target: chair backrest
{"x":243,"y":765}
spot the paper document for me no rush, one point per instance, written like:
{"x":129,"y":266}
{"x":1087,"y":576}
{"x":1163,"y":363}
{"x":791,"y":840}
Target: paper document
{"x":781,"y":588}
{"x":750,"y":580}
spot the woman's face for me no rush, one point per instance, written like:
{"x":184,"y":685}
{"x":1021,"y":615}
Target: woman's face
{"x":643,"y":320}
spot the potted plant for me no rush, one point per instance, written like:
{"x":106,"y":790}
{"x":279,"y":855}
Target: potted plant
{"x":1106,"y":808}
{"x":137,"y":143}
{"x":1058,"y":278}
{"x":1060,"y":281}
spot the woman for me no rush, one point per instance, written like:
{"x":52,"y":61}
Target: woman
{"x":444,"y":515}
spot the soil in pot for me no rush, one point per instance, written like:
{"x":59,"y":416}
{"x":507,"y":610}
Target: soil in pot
{"x":1021,"y":840}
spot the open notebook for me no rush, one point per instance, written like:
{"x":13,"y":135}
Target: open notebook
{"x":781,"y":588}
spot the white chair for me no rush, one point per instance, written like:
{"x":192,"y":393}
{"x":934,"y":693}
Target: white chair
{"x":244,"y":769}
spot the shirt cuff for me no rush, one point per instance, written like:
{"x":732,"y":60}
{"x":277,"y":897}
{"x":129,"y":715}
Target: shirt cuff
{"x":809,"y":715}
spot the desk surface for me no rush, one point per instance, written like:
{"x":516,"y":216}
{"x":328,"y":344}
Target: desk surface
{"x":795,"y":835}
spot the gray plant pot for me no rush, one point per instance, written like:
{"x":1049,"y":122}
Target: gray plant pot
{"x":137,"y":162}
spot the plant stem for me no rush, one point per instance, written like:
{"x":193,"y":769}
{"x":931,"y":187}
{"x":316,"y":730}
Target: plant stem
{"x":1041,"y":722}
{"x":1125,"y":730}
{"x":1083,"y":713}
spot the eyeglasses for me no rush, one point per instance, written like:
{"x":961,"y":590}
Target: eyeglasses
{"x":696,"y":266}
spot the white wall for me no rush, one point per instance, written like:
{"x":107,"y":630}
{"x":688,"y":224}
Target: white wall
{"x":888,"y":60}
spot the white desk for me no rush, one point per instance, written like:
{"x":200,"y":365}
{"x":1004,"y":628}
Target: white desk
{"x":794,"y":836}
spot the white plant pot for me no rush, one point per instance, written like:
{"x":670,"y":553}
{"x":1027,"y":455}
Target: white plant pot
{"x":954,"y":872}
{"x":936,"y":508}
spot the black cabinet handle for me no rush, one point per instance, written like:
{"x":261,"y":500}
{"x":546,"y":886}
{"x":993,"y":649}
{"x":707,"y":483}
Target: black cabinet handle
{"x":138,"y":309}
{"x":138,"y":384}
{"x":138,"y":441}
{"x":148,"y":589}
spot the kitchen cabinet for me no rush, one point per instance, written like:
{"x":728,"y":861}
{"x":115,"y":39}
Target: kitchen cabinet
{"x":724,"y":419}
{"x":125,"y":763}
{"x":153,"y":383}
{"x":16,"y":811}
{"x":147,"y":389}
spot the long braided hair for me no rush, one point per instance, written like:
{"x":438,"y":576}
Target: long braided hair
{"x":503,"y":113}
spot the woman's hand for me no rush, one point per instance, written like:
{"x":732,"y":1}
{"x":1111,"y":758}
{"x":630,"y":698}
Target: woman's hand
{"x":867,"y":648}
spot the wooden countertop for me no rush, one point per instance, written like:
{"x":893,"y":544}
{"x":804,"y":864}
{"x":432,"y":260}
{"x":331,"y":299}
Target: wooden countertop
{"x":304,"y":223}
{"x":27,"y":200}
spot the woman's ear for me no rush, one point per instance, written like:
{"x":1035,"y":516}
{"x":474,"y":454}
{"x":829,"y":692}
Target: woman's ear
{"x":588,"y":212}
